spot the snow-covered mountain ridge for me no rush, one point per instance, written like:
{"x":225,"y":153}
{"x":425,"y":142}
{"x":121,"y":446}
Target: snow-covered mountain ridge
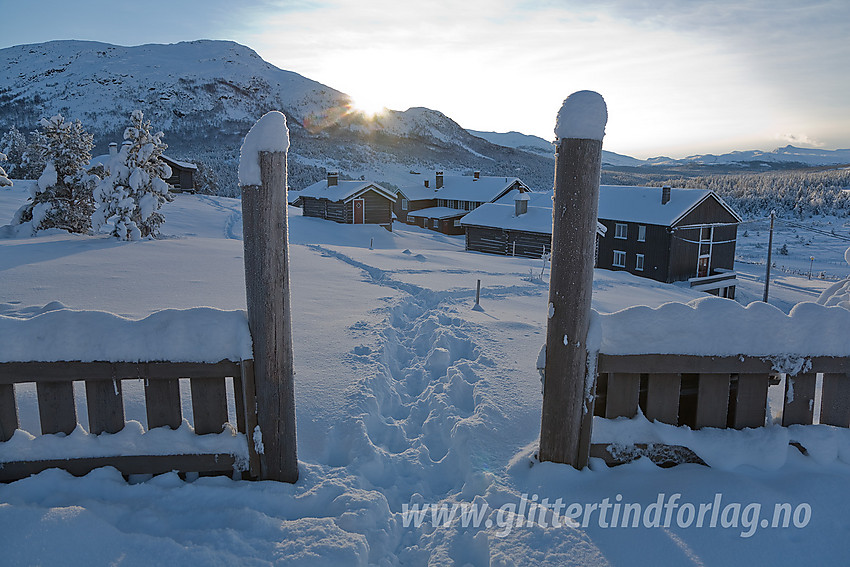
{"x":206,"y":94}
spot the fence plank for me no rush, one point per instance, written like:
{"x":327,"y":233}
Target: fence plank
{"x":56,"y":408}
{"x":712,"y":400}
{"x":623,"y":393}
{"x":105,"y":406}
{"x":799,"y":399}
{"x":17,"y":372}
{"x":835,"y":402}
{"x":128,"y":464}
{"x":209,"y":404}
{"x":249,"y":403}
{"x":8,"y":412}
{"x":162,"y":403}
{"x":649,"y":363}
{"x":751,"y":400}
{"x":662,"y":398}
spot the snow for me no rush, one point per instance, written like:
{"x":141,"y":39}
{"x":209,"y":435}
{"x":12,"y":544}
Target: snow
{"x":404,"y":395}
{"x":342,"y":191}
{"x":200,"y":334}
{"x":583,"y":116}
{"x":132,"y":440}
{"x":437,"y":213}
{"x":268,"y":134}
{"x":498,"y":215}
{"x":715,"y":326}
{"x":643,"y":204}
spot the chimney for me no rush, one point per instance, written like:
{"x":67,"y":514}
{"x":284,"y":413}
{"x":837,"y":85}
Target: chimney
{"x":521,"y":204}
{"x":113,"y":148}
{"x":426,"y":183}
{"x":476,"y":175}
{"x":439,"y":184}
{"x":333,"y":178}
{"x":665,"y":194}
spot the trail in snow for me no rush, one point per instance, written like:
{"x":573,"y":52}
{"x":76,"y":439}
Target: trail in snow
{"x":233,"y":224}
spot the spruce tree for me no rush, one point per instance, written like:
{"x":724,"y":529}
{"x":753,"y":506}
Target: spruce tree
{"x":13,"y":144}
{"x":4,"y":179}
{"x":131,"y":196}
{"x":63,"y":196}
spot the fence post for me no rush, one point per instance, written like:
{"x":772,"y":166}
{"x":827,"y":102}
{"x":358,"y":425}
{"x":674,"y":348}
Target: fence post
{"x":566,"y":421}
{"x":262,"y":177}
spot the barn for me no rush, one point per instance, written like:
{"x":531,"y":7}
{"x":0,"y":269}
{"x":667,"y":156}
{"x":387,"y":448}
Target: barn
{"x":512,"y":230}
{"x":348,"y":202}
{"x":670,"y":234}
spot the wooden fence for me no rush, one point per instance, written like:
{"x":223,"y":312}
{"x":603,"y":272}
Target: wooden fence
{"x":716,"y":391}
{"x":105,"y":406}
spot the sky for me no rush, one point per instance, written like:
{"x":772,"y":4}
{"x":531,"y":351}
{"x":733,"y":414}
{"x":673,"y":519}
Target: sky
{"x":680,"y":77}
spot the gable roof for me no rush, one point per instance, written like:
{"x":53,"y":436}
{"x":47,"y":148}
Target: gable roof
{"x":643,"y":204}
{"x":499,"y":215}
{"x":437,"y":213}
{"x":343,"y":191}
{"x":484,"y":189}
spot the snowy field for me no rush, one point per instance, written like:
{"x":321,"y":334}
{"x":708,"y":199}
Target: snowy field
{"x":405,"y":396}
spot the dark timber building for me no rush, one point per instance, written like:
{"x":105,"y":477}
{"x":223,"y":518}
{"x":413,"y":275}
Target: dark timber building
{"x":349,"y":202}
{"x":669,"y":234}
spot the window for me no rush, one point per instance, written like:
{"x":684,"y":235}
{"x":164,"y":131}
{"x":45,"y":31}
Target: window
{"x":621,"y":231}
{"x":436,"y":223}
{"x":619,"y":259}
{"x":457,"y":222}
{"x":404,"y":204}
{"x":705,"y":234}
{"x":641,"y":233}
{"x":639,"y":262}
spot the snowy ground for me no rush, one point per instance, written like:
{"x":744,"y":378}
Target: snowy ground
{"x":404,"y":395}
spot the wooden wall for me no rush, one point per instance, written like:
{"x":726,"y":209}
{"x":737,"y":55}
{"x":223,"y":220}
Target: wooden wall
{"x":655,"y":250}
{"x":500,"y":241}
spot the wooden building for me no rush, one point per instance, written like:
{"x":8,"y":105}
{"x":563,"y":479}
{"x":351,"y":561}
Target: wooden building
{"x":348,"y":202}
{"x":182,"y":174}
{"x":439,"y":204}
{"x":512,"y":230}
{"x":670,"y":234}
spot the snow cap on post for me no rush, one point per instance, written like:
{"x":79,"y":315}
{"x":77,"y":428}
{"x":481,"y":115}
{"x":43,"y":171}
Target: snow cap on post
{"x":268,"y":134}
{"x":583,"y":115}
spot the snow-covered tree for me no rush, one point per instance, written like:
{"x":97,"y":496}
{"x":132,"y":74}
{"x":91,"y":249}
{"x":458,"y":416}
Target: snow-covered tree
{"x":130,"y":197}
{"x":4,"y":179}
{"x":13,"y":144}
{"x":63,"y":196}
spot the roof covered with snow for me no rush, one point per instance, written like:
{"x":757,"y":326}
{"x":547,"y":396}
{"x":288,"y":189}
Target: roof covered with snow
{"x":437,"y":213}
{"x":498,"y":215}
{"x":343,"y":190}
{"x":484,"y":189}
{"x":178,"y":163}
{"x":643,"y":204}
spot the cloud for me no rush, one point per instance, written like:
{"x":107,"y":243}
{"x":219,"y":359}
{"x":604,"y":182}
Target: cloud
{"x":800,"y":140}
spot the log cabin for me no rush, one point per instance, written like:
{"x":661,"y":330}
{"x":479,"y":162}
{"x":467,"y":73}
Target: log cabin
{"x":348,"y":202}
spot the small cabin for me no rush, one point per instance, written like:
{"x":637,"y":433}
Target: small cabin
{"x":670,"y":234}
{"x":347,"y":202}
{"x":439,"y":203}
{"x":512,"y":230}
{"x":182,"y":174}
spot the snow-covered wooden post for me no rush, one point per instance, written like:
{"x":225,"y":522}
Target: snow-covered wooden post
{"x":262,"y":177}
{"x":569,"y":375}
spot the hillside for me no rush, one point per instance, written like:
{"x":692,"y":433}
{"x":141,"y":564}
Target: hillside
{"x":206,"y":94}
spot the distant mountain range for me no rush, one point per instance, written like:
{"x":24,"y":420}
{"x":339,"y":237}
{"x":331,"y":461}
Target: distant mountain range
{"x":788,"y":154}
{"x":205,"y":95}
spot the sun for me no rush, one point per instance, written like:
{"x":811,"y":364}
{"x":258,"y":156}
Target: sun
{"x":368,"y":105}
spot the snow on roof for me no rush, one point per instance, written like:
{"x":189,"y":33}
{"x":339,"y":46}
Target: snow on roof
{"x":183,"y":164}
{"x":643,"y":204}
{"x":485,"y":189}
{"x":498,"y":215}
{"x":343,"y":190}
{"x":720,"y":327}
{"x":437,"y":213}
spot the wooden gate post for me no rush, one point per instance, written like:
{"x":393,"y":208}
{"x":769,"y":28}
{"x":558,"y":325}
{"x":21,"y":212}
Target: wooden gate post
{"x":262,"y":177}
{"x":566,"y":421}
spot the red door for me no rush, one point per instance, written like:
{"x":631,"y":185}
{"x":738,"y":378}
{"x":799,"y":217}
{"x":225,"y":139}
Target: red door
{"x":359,"y":211}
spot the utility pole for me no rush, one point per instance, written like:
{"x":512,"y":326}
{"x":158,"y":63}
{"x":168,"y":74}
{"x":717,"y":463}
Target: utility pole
{"x":769,"y":257}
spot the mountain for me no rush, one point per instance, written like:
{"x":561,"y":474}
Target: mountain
{"x":205,"y":95}
{"x":539,"y":146}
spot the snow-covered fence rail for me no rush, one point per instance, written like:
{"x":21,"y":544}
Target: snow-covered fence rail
{"x":710,"y":363}
{"x":101,"y":350}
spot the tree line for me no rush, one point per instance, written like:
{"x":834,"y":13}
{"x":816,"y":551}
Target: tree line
{"x":121,"y":194}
